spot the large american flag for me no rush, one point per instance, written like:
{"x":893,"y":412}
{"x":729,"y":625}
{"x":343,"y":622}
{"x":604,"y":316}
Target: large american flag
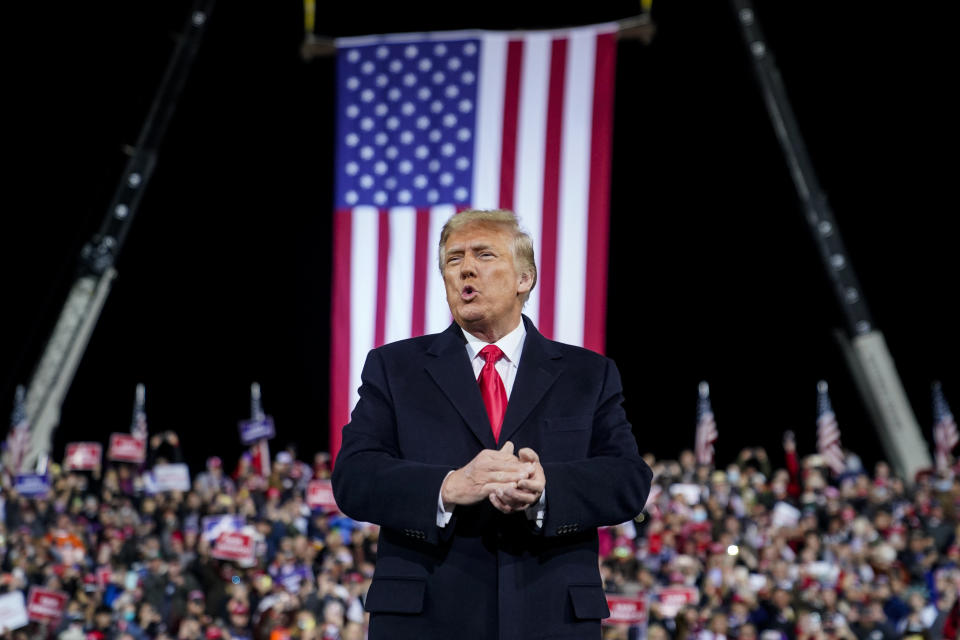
{"x":432,"y":124}
{"x":945,"y":436}
{"x":706,"y":427}
{"x":828,"y":431}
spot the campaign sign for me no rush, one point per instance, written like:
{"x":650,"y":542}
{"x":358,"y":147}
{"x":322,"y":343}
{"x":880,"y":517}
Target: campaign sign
{"x":253,"y":430}
{"x":320,"y":495}
{"x":46,"y":605}
{"x":672,"y":599}
{"x":214,"y":526}
{"x":170,"y":477}
{"x":83,"y":456}
{"x":234,"y":545}
{"x":13,"y":611}
{"x":784,"y":515}
{"x":689,"y":492}
{"x":126,"y":448}
{"x":629,"y":610}
{"x":32,"y":485}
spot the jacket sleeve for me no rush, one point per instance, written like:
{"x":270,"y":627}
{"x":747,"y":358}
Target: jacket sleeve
{"x":611,"y":484}
{"x":372,"y":482}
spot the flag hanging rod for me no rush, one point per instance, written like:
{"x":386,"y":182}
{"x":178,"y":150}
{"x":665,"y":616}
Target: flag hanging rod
{"x":639,"y":27}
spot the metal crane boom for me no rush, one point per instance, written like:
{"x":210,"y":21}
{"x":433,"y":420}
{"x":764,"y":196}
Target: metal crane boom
{"x":864,"y":345}
{"x":78,"y":318}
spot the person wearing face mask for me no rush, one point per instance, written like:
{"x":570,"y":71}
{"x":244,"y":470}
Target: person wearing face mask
{"x":127,"y":624}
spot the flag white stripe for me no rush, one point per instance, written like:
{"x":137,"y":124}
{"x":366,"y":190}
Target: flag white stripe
{"x":531,"y":141}
{"x":363,"y":291}
{"x":574,"y":189}
{"x":400,"y":273}
{"x":437,"y":317}
{"x":489,"y":129}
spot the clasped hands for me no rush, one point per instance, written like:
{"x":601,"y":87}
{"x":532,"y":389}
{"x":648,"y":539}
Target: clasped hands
{"x":510,"y":482}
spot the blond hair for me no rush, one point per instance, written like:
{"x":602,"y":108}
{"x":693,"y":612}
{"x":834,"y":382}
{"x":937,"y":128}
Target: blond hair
{"x":505,"y":219}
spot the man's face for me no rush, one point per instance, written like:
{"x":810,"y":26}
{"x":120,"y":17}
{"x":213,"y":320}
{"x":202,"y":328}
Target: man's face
{"x":484,"y":290}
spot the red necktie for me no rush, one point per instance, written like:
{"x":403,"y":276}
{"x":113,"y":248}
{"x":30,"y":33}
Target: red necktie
{"x":492,"y":389}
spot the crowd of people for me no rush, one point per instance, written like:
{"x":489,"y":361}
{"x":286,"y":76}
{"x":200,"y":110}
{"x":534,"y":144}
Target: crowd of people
{"x":791,"y":552}
{"x":758,"y":549}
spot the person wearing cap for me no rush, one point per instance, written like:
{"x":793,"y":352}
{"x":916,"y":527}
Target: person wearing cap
{"x":238,"y":620}
{"x":102,"y":626}
{"x":213,"y":480}
{"x":489,"y":455}
{"x":197,"y":605}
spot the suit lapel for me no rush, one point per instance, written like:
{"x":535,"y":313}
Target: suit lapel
{"x":452,"y":372}
{"x":539,"y":368}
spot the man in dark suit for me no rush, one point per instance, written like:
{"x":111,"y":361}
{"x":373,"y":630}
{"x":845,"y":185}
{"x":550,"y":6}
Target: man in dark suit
{"x":488,"y":469}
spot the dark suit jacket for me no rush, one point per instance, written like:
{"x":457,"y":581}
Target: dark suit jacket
{"x":486,"y":575}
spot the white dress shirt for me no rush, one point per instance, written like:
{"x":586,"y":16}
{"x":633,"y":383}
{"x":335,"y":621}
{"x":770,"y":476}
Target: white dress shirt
{"x":512,"y":347}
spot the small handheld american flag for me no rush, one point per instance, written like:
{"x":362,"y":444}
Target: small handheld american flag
{"x":945,"y":436}
{"x":18,"y":439}
{"x":260,"y":451}
{"x":828,"y":431}
{"x":138,"y":426}
{"x":706,"y":427}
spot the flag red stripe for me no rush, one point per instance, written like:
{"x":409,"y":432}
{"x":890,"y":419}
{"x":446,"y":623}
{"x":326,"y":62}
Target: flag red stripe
{"x":511,"y":111}
{"x":551,"y":187}
{"x":595,"y":298}
{"x":340,"y":329}
{"x":421,"y":272}
{"x":383,"y":259}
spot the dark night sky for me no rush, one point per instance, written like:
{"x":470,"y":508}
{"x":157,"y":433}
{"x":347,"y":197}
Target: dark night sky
{"x":225,"y":276}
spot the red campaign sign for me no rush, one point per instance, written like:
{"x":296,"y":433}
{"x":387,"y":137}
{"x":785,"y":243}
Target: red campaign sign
{"x":320,"y":495}
{"x":126,"y":448}
{"x":233,"y":545}
{"x":83,"y":456}
{"x":672,"y":599}
{"x":45,"y":605}
{"x":629,"y":610}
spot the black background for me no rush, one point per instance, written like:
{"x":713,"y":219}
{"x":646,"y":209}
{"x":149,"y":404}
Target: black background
{"x":713,"y":275}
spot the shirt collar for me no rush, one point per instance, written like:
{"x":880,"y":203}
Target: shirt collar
{"x":511,"y":344}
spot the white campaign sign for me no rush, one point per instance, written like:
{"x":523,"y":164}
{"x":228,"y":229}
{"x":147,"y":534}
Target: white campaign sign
{"x":13,"y":611}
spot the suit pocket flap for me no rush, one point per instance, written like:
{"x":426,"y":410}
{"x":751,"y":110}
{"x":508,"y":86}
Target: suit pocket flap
{"x":396,"y":595}
{"x":589,"y":602}
{"x":569,"y":423}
